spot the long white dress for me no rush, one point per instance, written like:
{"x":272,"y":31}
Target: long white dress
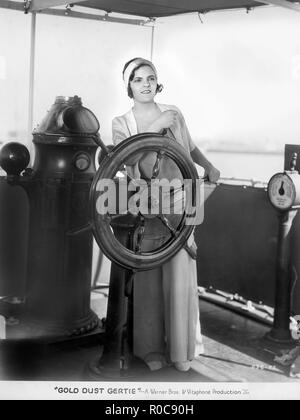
{"x":166,"y":306}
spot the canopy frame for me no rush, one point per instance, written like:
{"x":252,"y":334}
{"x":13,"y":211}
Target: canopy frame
{"x":38,"y":5}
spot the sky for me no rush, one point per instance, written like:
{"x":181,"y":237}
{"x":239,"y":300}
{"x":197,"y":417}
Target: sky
{"x":235,"y":75}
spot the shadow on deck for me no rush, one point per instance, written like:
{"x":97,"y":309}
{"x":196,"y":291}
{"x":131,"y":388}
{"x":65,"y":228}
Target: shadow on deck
{"x":234,"y":352}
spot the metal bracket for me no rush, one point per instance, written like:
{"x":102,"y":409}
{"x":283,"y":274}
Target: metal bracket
{"x":27,"y":5}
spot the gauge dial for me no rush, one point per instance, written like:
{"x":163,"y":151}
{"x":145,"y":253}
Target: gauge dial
{"x":282,"y":191}
{"x":82,"y":162}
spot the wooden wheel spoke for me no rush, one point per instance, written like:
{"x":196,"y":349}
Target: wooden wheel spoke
{"x":139,"y":234}
{"x":165,"y":221}
{"x":156,"y":167}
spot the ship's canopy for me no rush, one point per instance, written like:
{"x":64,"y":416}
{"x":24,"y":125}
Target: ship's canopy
{"x":162,"y":8}
{"x":148,"y":8}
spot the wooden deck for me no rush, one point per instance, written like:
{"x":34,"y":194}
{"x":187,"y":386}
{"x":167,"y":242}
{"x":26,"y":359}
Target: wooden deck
{"x":235,"y":351}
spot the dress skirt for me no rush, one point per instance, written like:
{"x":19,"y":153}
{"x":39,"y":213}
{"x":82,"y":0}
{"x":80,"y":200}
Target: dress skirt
{"x":166,"y":310}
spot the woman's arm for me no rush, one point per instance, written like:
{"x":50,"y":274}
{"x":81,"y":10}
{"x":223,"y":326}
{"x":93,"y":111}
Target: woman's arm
{"x":211,"y":172}
{"x":166,"y":120}
{"x":198,"y":157}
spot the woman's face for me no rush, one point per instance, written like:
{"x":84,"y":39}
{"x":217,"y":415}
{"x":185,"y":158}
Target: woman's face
{"x":144,"y":85}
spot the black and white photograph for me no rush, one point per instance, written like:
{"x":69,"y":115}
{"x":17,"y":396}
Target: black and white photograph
{"x":149,"y":202}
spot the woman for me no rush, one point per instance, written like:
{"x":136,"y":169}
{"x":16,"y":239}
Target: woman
{"x":166,"y":311}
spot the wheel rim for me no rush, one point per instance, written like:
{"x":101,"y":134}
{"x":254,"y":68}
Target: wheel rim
{"x":105,"y":227}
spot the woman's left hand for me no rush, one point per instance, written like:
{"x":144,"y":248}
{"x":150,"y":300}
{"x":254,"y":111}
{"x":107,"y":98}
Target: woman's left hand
{"x":212,"y":173}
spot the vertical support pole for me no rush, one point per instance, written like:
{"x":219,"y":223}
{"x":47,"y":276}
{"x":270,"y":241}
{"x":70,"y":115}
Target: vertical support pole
{"x":31,"y":77}
{"x":280,"y":332}
{"x":2,"y":328}
{"x":117,"y":359}
{"x":152,"y":42}
{"x":115,"y":353}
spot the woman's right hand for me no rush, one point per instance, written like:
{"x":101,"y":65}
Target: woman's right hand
{"x":212,"y":174}
{"x":166,"y":120}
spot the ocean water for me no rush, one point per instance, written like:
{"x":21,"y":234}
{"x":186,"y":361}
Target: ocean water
{"x":250,"y":166}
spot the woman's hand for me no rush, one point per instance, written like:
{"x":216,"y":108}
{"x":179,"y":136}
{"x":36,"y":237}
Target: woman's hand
{"x":212,"y":173}
{"x":166,"y":120}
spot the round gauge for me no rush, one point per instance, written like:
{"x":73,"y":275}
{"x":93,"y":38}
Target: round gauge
{"x":82,"y":162}
{"x":282,"y":192}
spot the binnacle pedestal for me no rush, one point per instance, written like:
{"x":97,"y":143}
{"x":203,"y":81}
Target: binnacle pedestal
{"x":117,"y":360}
{"x":59,"y":261}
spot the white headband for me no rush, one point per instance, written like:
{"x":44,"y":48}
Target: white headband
{"x":133,"y":65}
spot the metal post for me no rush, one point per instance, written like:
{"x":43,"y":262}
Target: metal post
{"x":117,"y":359}
{"x":152,"y":42}
{"x":31,"y":77}
{"x":280,"y":332}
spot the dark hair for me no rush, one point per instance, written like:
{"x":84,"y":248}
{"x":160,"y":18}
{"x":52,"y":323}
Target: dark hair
{"x":129,"y":90}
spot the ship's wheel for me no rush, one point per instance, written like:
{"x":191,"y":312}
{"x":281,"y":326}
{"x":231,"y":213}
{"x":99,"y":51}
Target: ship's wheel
{"x":107,"y":217}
